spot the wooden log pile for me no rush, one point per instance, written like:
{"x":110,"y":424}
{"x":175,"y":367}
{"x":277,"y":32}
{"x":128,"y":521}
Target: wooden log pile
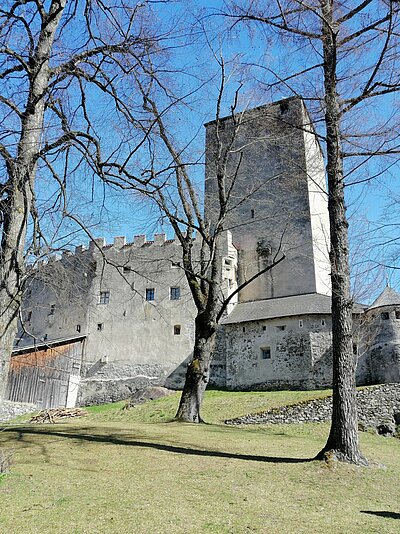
{"x":57,"y":414}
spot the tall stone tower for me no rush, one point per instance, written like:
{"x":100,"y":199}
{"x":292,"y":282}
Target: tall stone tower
{"x":277,"y":200}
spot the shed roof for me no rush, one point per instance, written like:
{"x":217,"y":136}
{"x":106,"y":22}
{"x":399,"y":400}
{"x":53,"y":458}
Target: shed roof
{"x":40,"y":345}
{"x":388,"y":297}
{"x":308,"y":304}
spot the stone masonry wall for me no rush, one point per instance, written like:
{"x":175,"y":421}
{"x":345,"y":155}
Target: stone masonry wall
{"x":299,"y":348}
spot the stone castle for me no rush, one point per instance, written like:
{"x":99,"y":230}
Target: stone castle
{"x":104,"y":320}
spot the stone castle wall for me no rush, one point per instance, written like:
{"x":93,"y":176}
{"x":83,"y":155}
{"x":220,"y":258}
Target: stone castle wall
{"x":102,"y":292}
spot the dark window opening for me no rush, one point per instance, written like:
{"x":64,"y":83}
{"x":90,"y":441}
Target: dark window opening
{"x":150,"y":293}
{"x":244,"y":329}
{"x":300,"y":323}
{"x":177,"y":330}
{"x":44,"y":337}
{"x":281,"y":327}
{"x":265,"y":353}
{"x":99,"y":327}
{"x":29,"y":316}
{"x":52,"y":308}
{"x":104,"y":297}
{"x":284,"y":107}
{"x":78,"y":328}
{"x":252,"y":213}
{"x":355,"y":348}
{"x":385,"y":316}
{"x":264,"y":328}
{"x":397,"y":314}
{"x":127,"y":269}
{"x":175,"y":293}
{"x":323,"y":322}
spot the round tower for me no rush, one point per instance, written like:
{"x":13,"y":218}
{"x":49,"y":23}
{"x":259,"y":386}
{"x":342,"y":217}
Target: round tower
{"x":382,"y":337}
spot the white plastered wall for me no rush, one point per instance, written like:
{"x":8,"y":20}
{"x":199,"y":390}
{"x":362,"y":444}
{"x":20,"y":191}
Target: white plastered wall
{"x":318,"y":199}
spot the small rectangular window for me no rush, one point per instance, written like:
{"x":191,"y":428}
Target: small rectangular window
{"x":397,"y":314}
{"x":385,"y":316}
{"x":323,"y":322}
{"x":175,"y":293}
{"x":104,"y":297}
{"x":265,"y":353}
{"x":78,"y":328}
{"x":264,"y":328}
{"x":177,"y":330}
{"x":244,"y":329}
{"x":52,"y":308}
{"x":99,"y":327}
{"x":281,"y":327}
{"x":150,"y":293}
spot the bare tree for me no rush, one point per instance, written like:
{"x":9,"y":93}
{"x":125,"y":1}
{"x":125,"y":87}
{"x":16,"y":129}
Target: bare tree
{"x":171,"y":182}
{"x":346,"y":69}
{"x":56,"y":58}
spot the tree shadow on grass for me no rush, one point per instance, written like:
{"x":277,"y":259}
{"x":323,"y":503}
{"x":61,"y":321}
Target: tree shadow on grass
{"x":390,"y":515}
{"x":115,"y":440}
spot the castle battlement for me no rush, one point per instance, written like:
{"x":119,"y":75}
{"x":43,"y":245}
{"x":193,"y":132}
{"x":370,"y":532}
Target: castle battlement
{"x":120,"y":244}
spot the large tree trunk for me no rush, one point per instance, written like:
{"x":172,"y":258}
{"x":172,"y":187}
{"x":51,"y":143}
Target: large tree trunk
{"x":20,"y":186}
{"x":198,"y":373}
{"x":342,"y":442}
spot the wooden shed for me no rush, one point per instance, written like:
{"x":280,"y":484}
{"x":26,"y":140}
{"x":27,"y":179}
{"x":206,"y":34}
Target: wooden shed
{"x":46,"y":374}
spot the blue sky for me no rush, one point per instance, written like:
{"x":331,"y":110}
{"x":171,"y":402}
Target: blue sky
{"x":248,"y":57}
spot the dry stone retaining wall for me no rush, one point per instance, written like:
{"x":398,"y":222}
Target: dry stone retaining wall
{"x":376,"y":406}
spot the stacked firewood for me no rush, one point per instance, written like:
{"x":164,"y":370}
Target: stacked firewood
{"x":51,"y":416}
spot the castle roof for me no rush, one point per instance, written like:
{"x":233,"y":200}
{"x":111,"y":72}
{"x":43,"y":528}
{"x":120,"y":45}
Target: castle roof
{"x":388,"y":297}
{"x":308,"y":304}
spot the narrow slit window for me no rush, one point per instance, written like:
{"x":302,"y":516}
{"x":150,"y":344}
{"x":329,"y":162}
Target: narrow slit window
{"x":323,"y":322}
{"x":252,"y":213}
{"x":78,"y":328}
{"x":52,"y":309}
{"x":300,"y":323}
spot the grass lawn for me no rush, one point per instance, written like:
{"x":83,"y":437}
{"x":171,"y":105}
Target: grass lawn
{"x":130,"y":471}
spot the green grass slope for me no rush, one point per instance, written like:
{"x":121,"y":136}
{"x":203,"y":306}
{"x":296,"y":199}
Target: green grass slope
{"x":119,"y":472}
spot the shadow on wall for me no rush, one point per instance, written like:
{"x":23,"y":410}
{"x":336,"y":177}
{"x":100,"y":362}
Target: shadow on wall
{"x":322,"y":370}
{"x":176,"y":379}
